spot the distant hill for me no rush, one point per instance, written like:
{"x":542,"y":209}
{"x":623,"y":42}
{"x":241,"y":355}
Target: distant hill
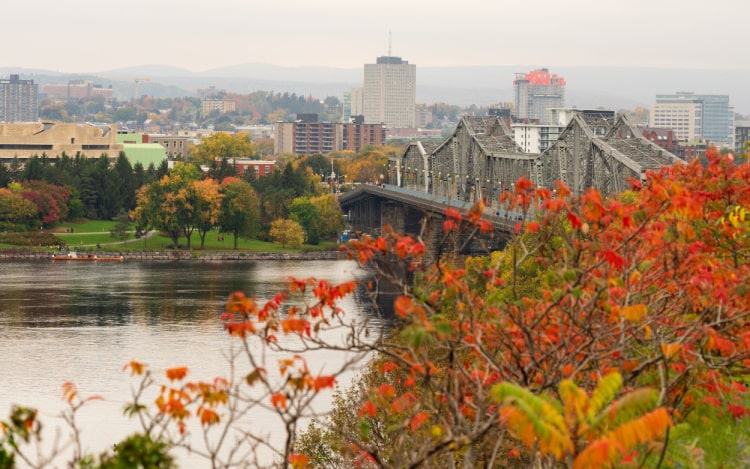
{"x":587,"y":87}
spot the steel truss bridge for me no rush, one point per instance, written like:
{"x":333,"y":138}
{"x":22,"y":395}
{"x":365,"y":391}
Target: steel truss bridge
{"x":481,"y":159}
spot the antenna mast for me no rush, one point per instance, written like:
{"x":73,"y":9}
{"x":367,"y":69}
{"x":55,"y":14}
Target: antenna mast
{"x":389,"y":43}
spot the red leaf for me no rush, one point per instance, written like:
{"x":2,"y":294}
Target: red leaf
{"x":418,"y":420}
{"x":322,"y":382}
{"x":368,"y":409}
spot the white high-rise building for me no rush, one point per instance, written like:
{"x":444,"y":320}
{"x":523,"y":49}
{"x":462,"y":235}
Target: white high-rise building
{"x":390,"y":93}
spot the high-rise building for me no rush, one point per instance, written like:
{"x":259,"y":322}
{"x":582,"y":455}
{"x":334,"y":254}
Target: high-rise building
{"x":536,"y":93}
{"x":390,"y":92}
{"x":307,"y":136}
{"x":18,"y":100}
{"x":695,"y":117}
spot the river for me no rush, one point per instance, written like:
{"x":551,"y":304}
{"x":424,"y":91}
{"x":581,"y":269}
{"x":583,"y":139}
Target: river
{"x":83,"y":321}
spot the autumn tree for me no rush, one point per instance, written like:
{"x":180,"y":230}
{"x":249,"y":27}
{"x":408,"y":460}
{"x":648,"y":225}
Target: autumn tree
{"x":16,"y":211}
{"x":221,"y":145}
{"x":287,"y":233}
{"x":206,"y":197}
{"x":168,"y":205}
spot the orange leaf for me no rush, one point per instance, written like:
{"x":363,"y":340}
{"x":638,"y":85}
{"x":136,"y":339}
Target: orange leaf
{"x":176,"y":373}
{"x":403,"y":306}
{"x":279,"y":401}
{"x":208,"y":417}
{"x":136,"y":368}
{"x":298,"y":461}
{"x":634,"y":313}
{"x":69,"y":391}
{"x":670,"y":350}
{"x":295,"y":325}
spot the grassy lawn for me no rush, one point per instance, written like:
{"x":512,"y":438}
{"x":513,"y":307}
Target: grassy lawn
{"x":88,"y":226}
{"x":86,"y":236}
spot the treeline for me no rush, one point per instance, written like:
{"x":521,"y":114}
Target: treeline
{"x":178,"y":202}
{"x":67,"y":188}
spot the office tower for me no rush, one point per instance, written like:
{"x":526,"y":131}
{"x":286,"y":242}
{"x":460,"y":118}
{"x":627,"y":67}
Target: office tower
{"x":695,"y":117}
{"x":536,"y":93}
{"x":18,"y":100}
{"x":390,"y":92}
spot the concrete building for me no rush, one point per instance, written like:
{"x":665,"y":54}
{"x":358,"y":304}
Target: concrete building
{"x":354,"y":104}
{"x":535,"y":138}
{"x":307,"y":136}
{"x":695,"y":117}
{"x":222,"y":105}
{"x":18,"y":100}
{"x":78,"y":89}
{"x":176,"y":147}
{"x":24,"y":141}
{"x":390,"y":92}
{"x":536,"y":93}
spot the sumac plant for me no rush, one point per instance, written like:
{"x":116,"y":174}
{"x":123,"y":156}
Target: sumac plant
{"x":602,"y":323}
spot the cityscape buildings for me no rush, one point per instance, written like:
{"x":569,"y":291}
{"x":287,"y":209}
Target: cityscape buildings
{"x":78,"y":89}
{"x":695,"y":117}
{"x":536,"y":93}
{"x":390,"y":92}
{"x":307,"y":135}
{"x":18,"y":100}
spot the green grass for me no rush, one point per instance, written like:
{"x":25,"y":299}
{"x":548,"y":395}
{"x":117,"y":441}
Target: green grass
{"x":87,"y":235}
{"x":88,"y":226}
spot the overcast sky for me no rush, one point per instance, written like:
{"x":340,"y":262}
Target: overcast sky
{"x":91,"y":36}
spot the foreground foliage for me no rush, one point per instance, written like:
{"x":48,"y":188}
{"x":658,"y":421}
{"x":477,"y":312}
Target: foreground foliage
{"x":603,"y":326}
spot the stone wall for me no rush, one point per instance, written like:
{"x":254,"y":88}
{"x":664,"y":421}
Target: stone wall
{"x":185,"y":256}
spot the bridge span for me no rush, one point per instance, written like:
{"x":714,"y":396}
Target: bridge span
{"x":481,"y":159}
{"x":370,"y":207}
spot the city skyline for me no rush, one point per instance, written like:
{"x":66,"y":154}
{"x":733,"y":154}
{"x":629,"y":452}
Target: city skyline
{"x":84,"y":36}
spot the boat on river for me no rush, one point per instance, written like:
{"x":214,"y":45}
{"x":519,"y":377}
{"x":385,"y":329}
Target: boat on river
{"x":90,"y":258}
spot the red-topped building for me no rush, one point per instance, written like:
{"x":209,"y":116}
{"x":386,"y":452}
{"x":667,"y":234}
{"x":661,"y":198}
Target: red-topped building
{"x":537,"y":92}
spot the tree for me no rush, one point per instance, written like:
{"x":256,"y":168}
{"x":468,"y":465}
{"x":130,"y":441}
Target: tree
{"x":168,"y":205}
{"x":222,"y":145}
{"x":331,"y":217}
{"x":207,"y":206}
{"x":303,"y":211}
{"x":287,"y":233}
{"x":120,"y":229}
{"x":240,"y":208}
{"x":16,"y":211}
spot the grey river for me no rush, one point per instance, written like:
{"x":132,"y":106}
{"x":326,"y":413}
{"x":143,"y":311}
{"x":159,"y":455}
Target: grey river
{"x":82,"y":321}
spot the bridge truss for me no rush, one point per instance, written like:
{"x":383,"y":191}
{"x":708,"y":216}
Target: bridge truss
{"x":481,"y":159}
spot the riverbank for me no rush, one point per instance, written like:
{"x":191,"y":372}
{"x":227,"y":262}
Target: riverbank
{"x":14,"y":254}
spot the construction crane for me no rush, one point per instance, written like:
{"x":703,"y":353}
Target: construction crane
{"x":135,"y":88}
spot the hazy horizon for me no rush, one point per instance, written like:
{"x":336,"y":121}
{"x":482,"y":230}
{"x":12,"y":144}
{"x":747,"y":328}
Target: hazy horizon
{"x":84,"y":36}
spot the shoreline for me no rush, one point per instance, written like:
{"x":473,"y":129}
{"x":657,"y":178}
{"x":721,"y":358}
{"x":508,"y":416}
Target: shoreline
{"x":12,"y":254}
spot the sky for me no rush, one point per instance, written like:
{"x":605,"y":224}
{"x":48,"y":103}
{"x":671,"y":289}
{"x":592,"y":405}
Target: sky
{"x":86,"y":36}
